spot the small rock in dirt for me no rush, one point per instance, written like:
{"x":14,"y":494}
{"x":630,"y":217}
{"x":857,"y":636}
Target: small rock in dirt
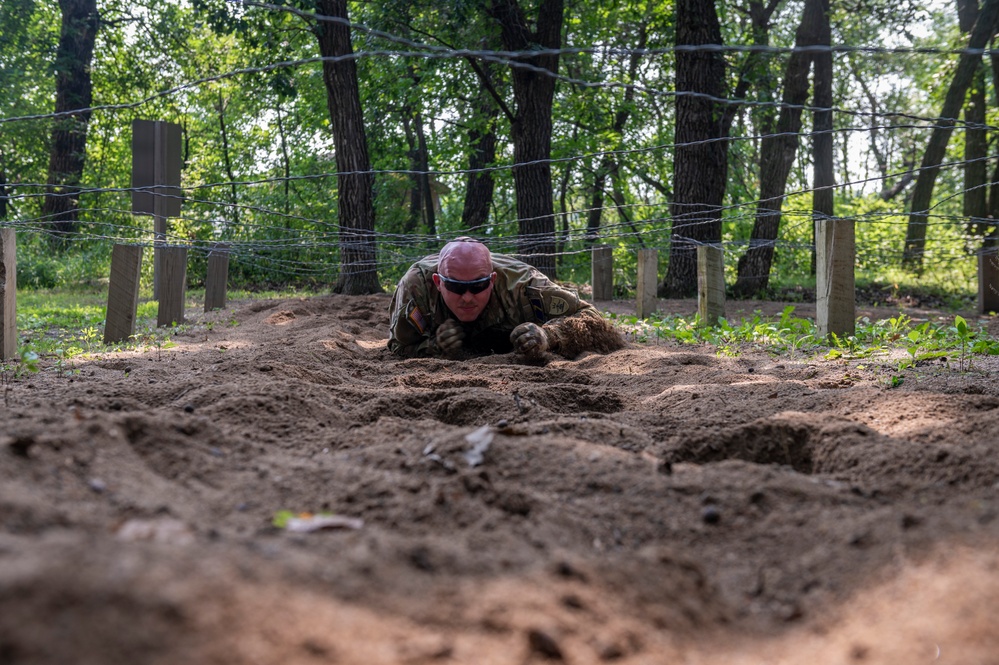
{"x":911,"y":521}
{"x":566,"y":569}
{"x":20,"y":445}
{"x":115,"y":406}
{"x":710,"y":515}
{"x":97,"y":485}
{"x":421,"y":559}
{"x":544,"y":644}
{"x":612,"y":651}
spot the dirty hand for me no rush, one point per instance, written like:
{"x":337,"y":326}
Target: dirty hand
{"x":530,"y":339}
{"x":449,"y":336}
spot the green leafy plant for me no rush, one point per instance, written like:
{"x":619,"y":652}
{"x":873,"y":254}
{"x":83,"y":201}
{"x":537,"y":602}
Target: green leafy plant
{"x":11,"y":371}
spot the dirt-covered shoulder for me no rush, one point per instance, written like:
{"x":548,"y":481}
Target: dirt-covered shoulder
{"x":657,"y":504}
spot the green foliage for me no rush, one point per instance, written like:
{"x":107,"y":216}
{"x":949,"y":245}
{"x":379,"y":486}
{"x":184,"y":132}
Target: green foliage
{"x":57,"y":327}
{"x":901,"y":341}
{"x":244,"y":83}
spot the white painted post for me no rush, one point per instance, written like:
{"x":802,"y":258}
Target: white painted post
{"x":988,"y":280}
{"x":710,"y":284}
{"x":8,"y":294}
{"x":835,"y":299}
{"x":602,"y":272}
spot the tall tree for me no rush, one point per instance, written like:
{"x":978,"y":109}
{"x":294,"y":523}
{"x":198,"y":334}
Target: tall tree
{"x":967,"y":66}
{"x":479,"y":184}
{"x":822,"y":116}
{"x":534,"y":92}
{"x":975,"y":138}
{"x":74,"y":95}
{"x":700,"y":168}
{"x":355,"y":202}
{"x":777,"y":154}
{"x":609,"y":164}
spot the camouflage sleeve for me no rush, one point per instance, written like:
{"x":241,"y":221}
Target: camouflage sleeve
{"x":572,"y":325}
{"x":411,"y":330}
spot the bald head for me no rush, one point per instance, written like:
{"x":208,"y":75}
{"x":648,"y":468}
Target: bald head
{"x":465,"y":259}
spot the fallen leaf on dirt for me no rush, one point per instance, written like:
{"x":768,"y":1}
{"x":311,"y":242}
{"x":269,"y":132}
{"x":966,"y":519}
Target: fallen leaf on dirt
{"x":480,"y":440}
{"x":322,"y":522}
{"x":165,"y":530}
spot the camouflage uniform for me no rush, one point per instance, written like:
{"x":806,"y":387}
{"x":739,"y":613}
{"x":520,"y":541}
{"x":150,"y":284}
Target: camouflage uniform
{"x":521,"y":294}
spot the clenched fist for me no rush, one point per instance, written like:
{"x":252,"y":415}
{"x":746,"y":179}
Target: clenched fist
{"x":529,"y":339}
{"x":449,"y":336}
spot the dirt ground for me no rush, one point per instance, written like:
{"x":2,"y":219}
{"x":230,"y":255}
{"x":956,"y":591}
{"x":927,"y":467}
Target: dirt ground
{"x":661,"y":504}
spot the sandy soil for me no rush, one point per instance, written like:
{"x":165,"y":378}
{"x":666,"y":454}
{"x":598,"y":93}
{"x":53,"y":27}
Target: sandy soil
{"x":661,"y":504}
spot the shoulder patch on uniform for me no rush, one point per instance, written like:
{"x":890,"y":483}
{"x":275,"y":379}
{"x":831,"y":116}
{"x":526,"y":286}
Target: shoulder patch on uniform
{"x":418,"y":320}
{"x":557,"y":306}
{"x":539,"y":309}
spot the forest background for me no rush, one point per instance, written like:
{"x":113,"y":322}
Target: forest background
{"x":331,"y":143}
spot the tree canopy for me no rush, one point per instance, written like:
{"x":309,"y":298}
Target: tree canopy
{"x":542,"y":126}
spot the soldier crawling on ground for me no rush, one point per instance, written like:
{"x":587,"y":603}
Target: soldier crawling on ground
{"x":466,"y":301}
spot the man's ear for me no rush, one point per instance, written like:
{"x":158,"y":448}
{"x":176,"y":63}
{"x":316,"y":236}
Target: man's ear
{"x":437,"y":280}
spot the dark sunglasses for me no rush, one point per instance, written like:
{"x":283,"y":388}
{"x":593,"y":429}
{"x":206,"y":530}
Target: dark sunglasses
{"x":458,"y":286}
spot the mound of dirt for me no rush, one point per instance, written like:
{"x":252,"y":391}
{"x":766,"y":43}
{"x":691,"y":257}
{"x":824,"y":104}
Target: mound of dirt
{"x":657,"y":504}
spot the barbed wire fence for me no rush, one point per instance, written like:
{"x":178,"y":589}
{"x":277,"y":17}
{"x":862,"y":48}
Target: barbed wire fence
{"x":296,"y":247}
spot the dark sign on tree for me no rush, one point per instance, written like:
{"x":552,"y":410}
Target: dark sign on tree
{"x":156,"y":168}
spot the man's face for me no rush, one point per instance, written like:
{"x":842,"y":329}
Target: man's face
{"x":457,"y":284}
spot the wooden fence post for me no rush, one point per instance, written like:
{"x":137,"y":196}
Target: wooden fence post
{"x":710,"y":284}
{"x":602,"y":272}
{"x":8,"y":294}
{"x":173,"y":286}
{"x":835,"y":297}
{"x":123,"y":293}
{"x":648,"y":282}
{"x":217,"y":277}
{"x":988,"y":280}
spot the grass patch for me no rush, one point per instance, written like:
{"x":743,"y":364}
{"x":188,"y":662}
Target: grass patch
{"x":901,"y":340}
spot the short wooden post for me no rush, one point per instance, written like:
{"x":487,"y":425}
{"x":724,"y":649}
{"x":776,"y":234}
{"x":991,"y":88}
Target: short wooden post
{"x":710,"y":284}
{"x":8,"y":294}
{"x":602,"y":272}
{"x":648,"y":282}
{"x":988,"y":280}
{"x":217,"y":277}
{"x":835,"y":299}
{"x":123,"y":293}
{"x":173,"y":286}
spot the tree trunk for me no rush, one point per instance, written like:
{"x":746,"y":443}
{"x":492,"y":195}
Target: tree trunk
{"x":74,"y":95}
{"x":822,"y":118}
{"x":227,"y":159}
{"x":415,"y":181}
{"x":975,"y":138}
{"x":285,"y":161}
{"x":3,"y":195}
{"x":915,"y":243}
{"x":700,"y":167}
{"x":479,"y":185}
{"x":533,"y":92}
{"x":975,"y":153}
{"x":777,"y":154}
{"x":355,"y":181}
{"x":608,"y":163}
